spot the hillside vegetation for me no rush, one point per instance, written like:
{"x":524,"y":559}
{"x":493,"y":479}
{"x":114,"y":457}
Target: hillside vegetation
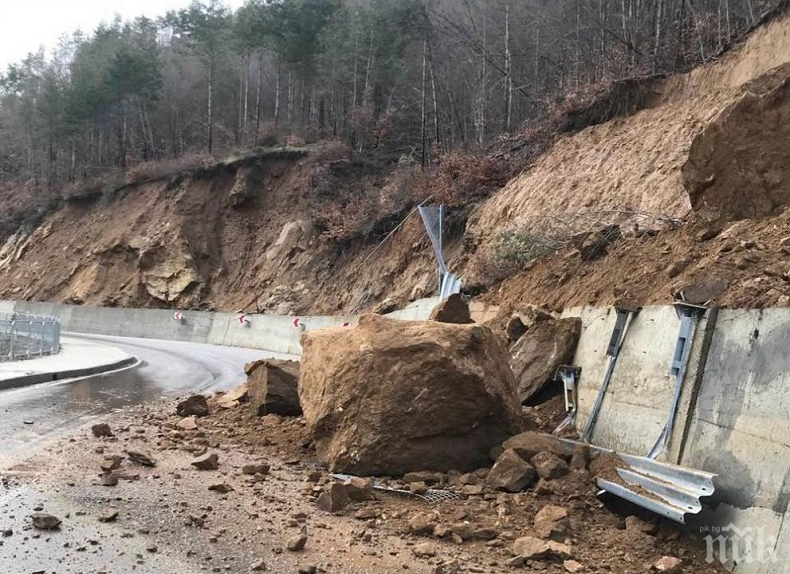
{"x":635,"y":188}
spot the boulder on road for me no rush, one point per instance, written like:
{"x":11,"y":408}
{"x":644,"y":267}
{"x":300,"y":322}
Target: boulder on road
{"x":536,"y":355}
{"x":389,"y":397}
{"x":273,"y":387}
{"x":194,"y":406}
{"x":452,"y":310}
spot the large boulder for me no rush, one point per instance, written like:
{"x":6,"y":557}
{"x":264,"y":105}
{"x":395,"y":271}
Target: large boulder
{"x":536,"y":355}
{"x":389,"y":397}
{"x":273,"y":387}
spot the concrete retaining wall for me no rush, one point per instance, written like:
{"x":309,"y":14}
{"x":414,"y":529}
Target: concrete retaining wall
{"x":267,"y":332}
{"x":733,"y":417}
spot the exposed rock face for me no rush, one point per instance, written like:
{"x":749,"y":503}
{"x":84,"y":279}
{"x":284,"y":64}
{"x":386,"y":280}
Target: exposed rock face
{"x":273,"y":387}
{"x":452,"y":310}
{"x":738,"y":165}
{"x":389,"y":397}
{"x":535,"y":357}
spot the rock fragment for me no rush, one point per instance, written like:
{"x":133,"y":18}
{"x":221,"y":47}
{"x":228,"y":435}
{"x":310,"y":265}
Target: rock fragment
{"x":140,"y":458}
{"x":44,"y":521}
{"x":511,"y":473}
{"x":298,"y":542}
{"x":196,"y":405}
{"x":101,"y":430}
{"x":209,"y":461}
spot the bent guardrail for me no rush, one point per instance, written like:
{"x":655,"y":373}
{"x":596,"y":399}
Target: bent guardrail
{"x":28,"y":336}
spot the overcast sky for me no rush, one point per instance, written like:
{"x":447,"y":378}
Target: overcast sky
{"x":27,"y":24}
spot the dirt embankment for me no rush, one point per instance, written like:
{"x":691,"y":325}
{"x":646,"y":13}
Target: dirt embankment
{"x":710,"y":151}
{"x":239,"y":235}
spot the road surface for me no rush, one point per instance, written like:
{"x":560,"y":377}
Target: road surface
{"x":32,"y":415}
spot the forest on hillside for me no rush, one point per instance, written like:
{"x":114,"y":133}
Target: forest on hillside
{"x":415,"y":78}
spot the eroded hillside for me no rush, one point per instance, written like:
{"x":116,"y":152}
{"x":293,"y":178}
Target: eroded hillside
{"x":696,"y":180}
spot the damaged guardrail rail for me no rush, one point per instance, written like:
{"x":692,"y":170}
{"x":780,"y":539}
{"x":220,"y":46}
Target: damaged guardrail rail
{"x":666,"y":489}
{"x":28,"y":336}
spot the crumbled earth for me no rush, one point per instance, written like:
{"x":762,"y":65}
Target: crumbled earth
{"x":262,"y":501}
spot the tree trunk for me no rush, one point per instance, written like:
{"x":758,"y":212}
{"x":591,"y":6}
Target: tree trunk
{"x":508,"y":72}
{"x":209,"y":108}
{"x":657,"y":43}
{"x":258,"y":94}
{"x":277,"y":95}
{"x":424,"y":123}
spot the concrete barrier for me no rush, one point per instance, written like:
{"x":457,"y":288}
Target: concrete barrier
{"x":280,"y":334}
{"x":733,"y":417}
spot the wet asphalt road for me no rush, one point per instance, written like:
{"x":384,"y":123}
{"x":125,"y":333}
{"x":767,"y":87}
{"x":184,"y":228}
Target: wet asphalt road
{"x":31,"y":416}
{"x":85,"y":546}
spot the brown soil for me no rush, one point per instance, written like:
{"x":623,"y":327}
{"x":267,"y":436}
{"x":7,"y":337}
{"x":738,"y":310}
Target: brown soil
{"x":750,"y":256}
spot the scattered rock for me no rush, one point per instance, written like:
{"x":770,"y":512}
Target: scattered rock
{"x":531,"y":548}
{"x":359,"y":489}
{"x":259,"y":566}
{"x":101,"y":430}
{"x":109,"y":515}
{"x":423,"y":523}
{"x":111,"y":462}
{"x":668,"y":565}
{"x":273,"y":387}
{"x":534,"y":358}
{"x":703,"y":290}
{"x":140,"y":458}
{"x":334,"y":498}
{"x":549,"y":466}
{"x":424,"y":550}
{"x":299,"y":541}
{"x":572,"y":566}
{"x":196,"y":405}
{"x":452,"y":310}
{"x":511,"y":473}
{"x":45,"y":521}
{"x":109,"y":480}
{"x":528,"y":444}
{"x":260,"y":468}
{"x":443,"y":396}
{"x":209,"y":461}
{"x":551,"y":522}
{"x":188,"y":423}
{"x":221,"y":487}
{"x":450,"y":567}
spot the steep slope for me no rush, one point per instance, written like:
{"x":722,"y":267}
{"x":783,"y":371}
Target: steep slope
{"x":239,"y":235}
{"x":706,"y":149}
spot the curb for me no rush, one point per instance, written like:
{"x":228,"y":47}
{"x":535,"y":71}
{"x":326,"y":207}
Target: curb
{"x":27,"y":380}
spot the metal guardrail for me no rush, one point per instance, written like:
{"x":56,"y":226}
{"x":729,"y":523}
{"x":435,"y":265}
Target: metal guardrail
{"x":28,"y":336}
